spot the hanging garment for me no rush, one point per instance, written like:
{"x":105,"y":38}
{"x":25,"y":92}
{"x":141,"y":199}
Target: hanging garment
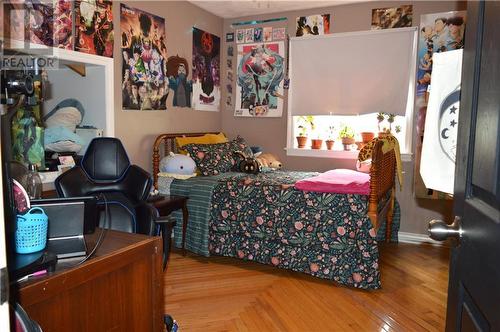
{"x":437,"y":166}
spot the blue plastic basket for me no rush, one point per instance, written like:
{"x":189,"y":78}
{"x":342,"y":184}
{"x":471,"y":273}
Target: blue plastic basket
{"x":31,"y":231}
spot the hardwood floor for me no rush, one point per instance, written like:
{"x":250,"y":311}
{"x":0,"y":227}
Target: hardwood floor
{"x":226,"y":294}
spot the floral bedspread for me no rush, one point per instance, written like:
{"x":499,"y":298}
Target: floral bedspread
{"x":264,"y":218}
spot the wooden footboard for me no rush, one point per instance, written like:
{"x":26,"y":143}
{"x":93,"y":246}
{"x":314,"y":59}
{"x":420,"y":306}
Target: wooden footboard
{"x":382,"y":173}
{"x":164,"y":144}
{"x":382,"y":185}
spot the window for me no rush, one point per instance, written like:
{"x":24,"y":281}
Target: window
{"x":345,"y":80}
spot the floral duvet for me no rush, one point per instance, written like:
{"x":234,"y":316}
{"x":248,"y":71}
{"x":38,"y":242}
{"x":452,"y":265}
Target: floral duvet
{"x":263,"y":218}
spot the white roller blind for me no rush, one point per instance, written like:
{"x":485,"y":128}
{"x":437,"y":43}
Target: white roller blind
{"x":352,"y":73}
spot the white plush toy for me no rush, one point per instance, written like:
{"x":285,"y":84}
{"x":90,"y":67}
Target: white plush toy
{"x":178,"y":166}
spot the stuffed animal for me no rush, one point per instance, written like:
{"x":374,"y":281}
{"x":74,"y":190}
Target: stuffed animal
{"x":248,"y":164}
{"x":178,"y":166}
{"x":269,"y":160}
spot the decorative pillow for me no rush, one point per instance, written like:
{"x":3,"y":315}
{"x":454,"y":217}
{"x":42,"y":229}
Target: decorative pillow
{"x":239,"y":144}
{"x":205,"y":139}
{"x":211,"y":159}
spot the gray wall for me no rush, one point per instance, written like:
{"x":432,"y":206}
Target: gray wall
{"x":270,"y":133}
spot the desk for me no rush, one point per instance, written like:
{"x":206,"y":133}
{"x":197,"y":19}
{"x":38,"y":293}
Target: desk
{"x":120,"y":289}
{"x":168,"y":204}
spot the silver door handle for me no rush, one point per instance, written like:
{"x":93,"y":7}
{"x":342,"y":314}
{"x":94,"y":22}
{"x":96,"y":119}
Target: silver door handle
{"x":440,"y":231}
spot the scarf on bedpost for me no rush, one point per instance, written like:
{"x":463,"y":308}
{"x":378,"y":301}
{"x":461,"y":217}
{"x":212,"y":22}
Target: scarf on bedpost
{"x":389,"y":143}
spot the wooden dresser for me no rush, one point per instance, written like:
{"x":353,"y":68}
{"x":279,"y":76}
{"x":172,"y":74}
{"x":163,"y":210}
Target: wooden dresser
{"x":120,"y":289}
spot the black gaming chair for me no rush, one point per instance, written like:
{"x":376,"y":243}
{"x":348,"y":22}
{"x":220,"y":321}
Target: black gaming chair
{"x":105,"y":171}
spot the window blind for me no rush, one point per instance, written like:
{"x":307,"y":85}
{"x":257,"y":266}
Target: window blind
{"x":352,"y":73}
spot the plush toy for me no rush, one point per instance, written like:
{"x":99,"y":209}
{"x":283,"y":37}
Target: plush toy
{"x":269,"y":160}
{"x":248,"y":164}
{"x":178,"y":166}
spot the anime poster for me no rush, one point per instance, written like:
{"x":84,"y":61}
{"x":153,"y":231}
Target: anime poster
{"x":63,"y":24}
{"x":144,"y":54}
{"x":177,"y":73}
{"x":279,"y":33}
{"x":240,"y":36}
{"x":259,"y":91}
{"x":313,"y":25}
{"x":439,"y":32}
{"x":40,"y":29}
{"x":268,"y":34}
{"x":94,"y":27}
{"x":395,"y":17}
{"x":206,"y":71}
{"x":249,"y":35}
{"x":258,"y":35}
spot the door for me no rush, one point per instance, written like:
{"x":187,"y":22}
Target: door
{"x":474,"y":283}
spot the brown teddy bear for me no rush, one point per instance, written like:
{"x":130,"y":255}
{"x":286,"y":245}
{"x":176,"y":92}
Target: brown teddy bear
{"x":269,"y":160}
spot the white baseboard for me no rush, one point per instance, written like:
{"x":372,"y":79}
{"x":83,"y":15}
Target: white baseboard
{"x":415,"y":238}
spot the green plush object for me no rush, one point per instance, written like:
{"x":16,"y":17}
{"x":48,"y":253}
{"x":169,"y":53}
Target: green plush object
{"x":27,"y":137}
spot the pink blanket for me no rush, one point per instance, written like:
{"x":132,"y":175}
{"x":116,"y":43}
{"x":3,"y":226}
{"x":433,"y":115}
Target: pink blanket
{"x":338,"y":181}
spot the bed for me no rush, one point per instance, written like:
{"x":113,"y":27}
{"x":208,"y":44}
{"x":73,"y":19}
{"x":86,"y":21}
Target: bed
{"x":264,"y":218}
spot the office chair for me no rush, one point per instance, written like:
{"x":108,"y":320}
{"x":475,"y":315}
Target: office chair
{"x":105,"y":171}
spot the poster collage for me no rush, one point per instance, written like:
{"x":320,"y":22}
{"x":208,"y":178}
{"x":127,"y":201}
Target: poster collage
{"x":260,"y":70}
{"x":80,"y":25}
{"x":148,"y":75}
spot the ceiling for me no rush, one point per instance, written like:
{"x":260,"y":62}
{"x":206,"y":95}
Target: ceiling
{"x":240,"y":8}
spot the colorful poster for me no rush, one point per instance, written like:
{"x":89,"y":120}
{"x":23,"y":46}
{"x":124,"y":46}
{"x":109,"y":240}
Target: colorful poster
{"x":177,"y":73}
{"x":438,"y":32}
{"x":313,"y":25}
{"x":240,"y":36}
{"x":249,"y":35}
{"x":206,"y":71}
{"x":144,"y":54}
{"x":279,"y":33}
{"x":41,"y":23}
{"x":94,"y":27}
{"x":395,"y":17}
{"x":268,"y":34}
{"x":259,"y":90}
{"x":63,"y":24}
{"x":258,"y":34}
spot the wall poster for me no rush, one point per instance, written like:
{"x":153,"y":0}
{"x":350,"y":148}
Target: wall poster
{"x":206,"y":71}
{"x":177,"y":73}
{"x":144,"y":84}
{"x":94,"y":27}
{"x":259,"y":90}
{"x":439,"y":32}
{"x":313,"y":25}
{"x":395,"y":17}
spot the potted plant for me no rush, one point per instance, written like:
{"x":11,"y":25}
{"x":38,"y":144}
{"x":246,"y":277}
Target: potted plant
{"x":305,"y":123}
{"x":347,"y":136}
{"x":367,"y":136}
{"x":330,"y":141}
{"x":380,"y":119}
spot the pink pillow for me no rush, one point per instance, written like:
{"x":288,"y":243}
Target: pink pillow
{"x":338,"y":181}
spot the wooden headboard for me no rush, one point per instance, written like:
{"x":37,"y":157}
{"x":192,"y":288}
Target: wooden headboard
{"x":382,"y":176}
{"x":164,"y":144}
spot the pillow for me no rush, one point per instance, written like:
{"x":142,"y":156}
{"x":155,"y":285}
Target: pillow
{"x":211,"y":159}
{"x":364,"y":166}
{"x":63,"y":146}
{"x":338,"y":181}
{"x":239,"y":144}
{"x":60,"y":133}
{"x":205,"y":139}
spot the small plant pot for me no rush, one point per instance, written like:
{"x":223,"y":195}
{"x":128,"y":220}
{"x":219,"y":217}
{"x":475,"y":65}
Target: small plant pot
{"x":316,"y":144}
{"x":329,"y":144}
{"x":367,"y":136}
{"x":301,"y":141}
{"x":347,"y":142}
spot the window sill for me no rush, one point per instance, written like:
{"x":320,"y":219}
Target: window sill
{"x":336,"y":154}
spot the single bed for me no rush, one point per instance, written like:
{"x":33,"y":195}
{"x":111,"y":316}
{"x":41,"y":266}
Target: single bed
{"x":266,"y":219}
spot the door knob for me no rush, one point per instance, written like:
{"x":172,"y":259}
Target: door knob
{"x":440,"y":231}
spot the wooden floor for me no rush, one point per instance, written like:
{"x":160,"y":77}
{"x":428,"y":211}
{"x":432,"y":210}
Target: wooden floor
{"x":226,"y":294}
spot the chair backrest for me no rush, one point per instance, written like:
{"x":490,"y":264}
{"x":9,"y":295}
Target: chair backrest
{"x":105,"y":160}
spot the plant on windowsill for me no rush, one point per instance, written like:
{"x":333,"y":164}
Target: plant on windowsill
{"x":347,"y":136}
{"x":330,"y":141}
{"x":305,"y":124}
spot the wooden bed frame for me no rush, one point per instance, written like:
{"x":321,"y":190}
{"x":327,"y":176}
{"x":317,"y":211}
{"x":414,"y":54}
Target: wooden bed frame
{"x":382,"y":177}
